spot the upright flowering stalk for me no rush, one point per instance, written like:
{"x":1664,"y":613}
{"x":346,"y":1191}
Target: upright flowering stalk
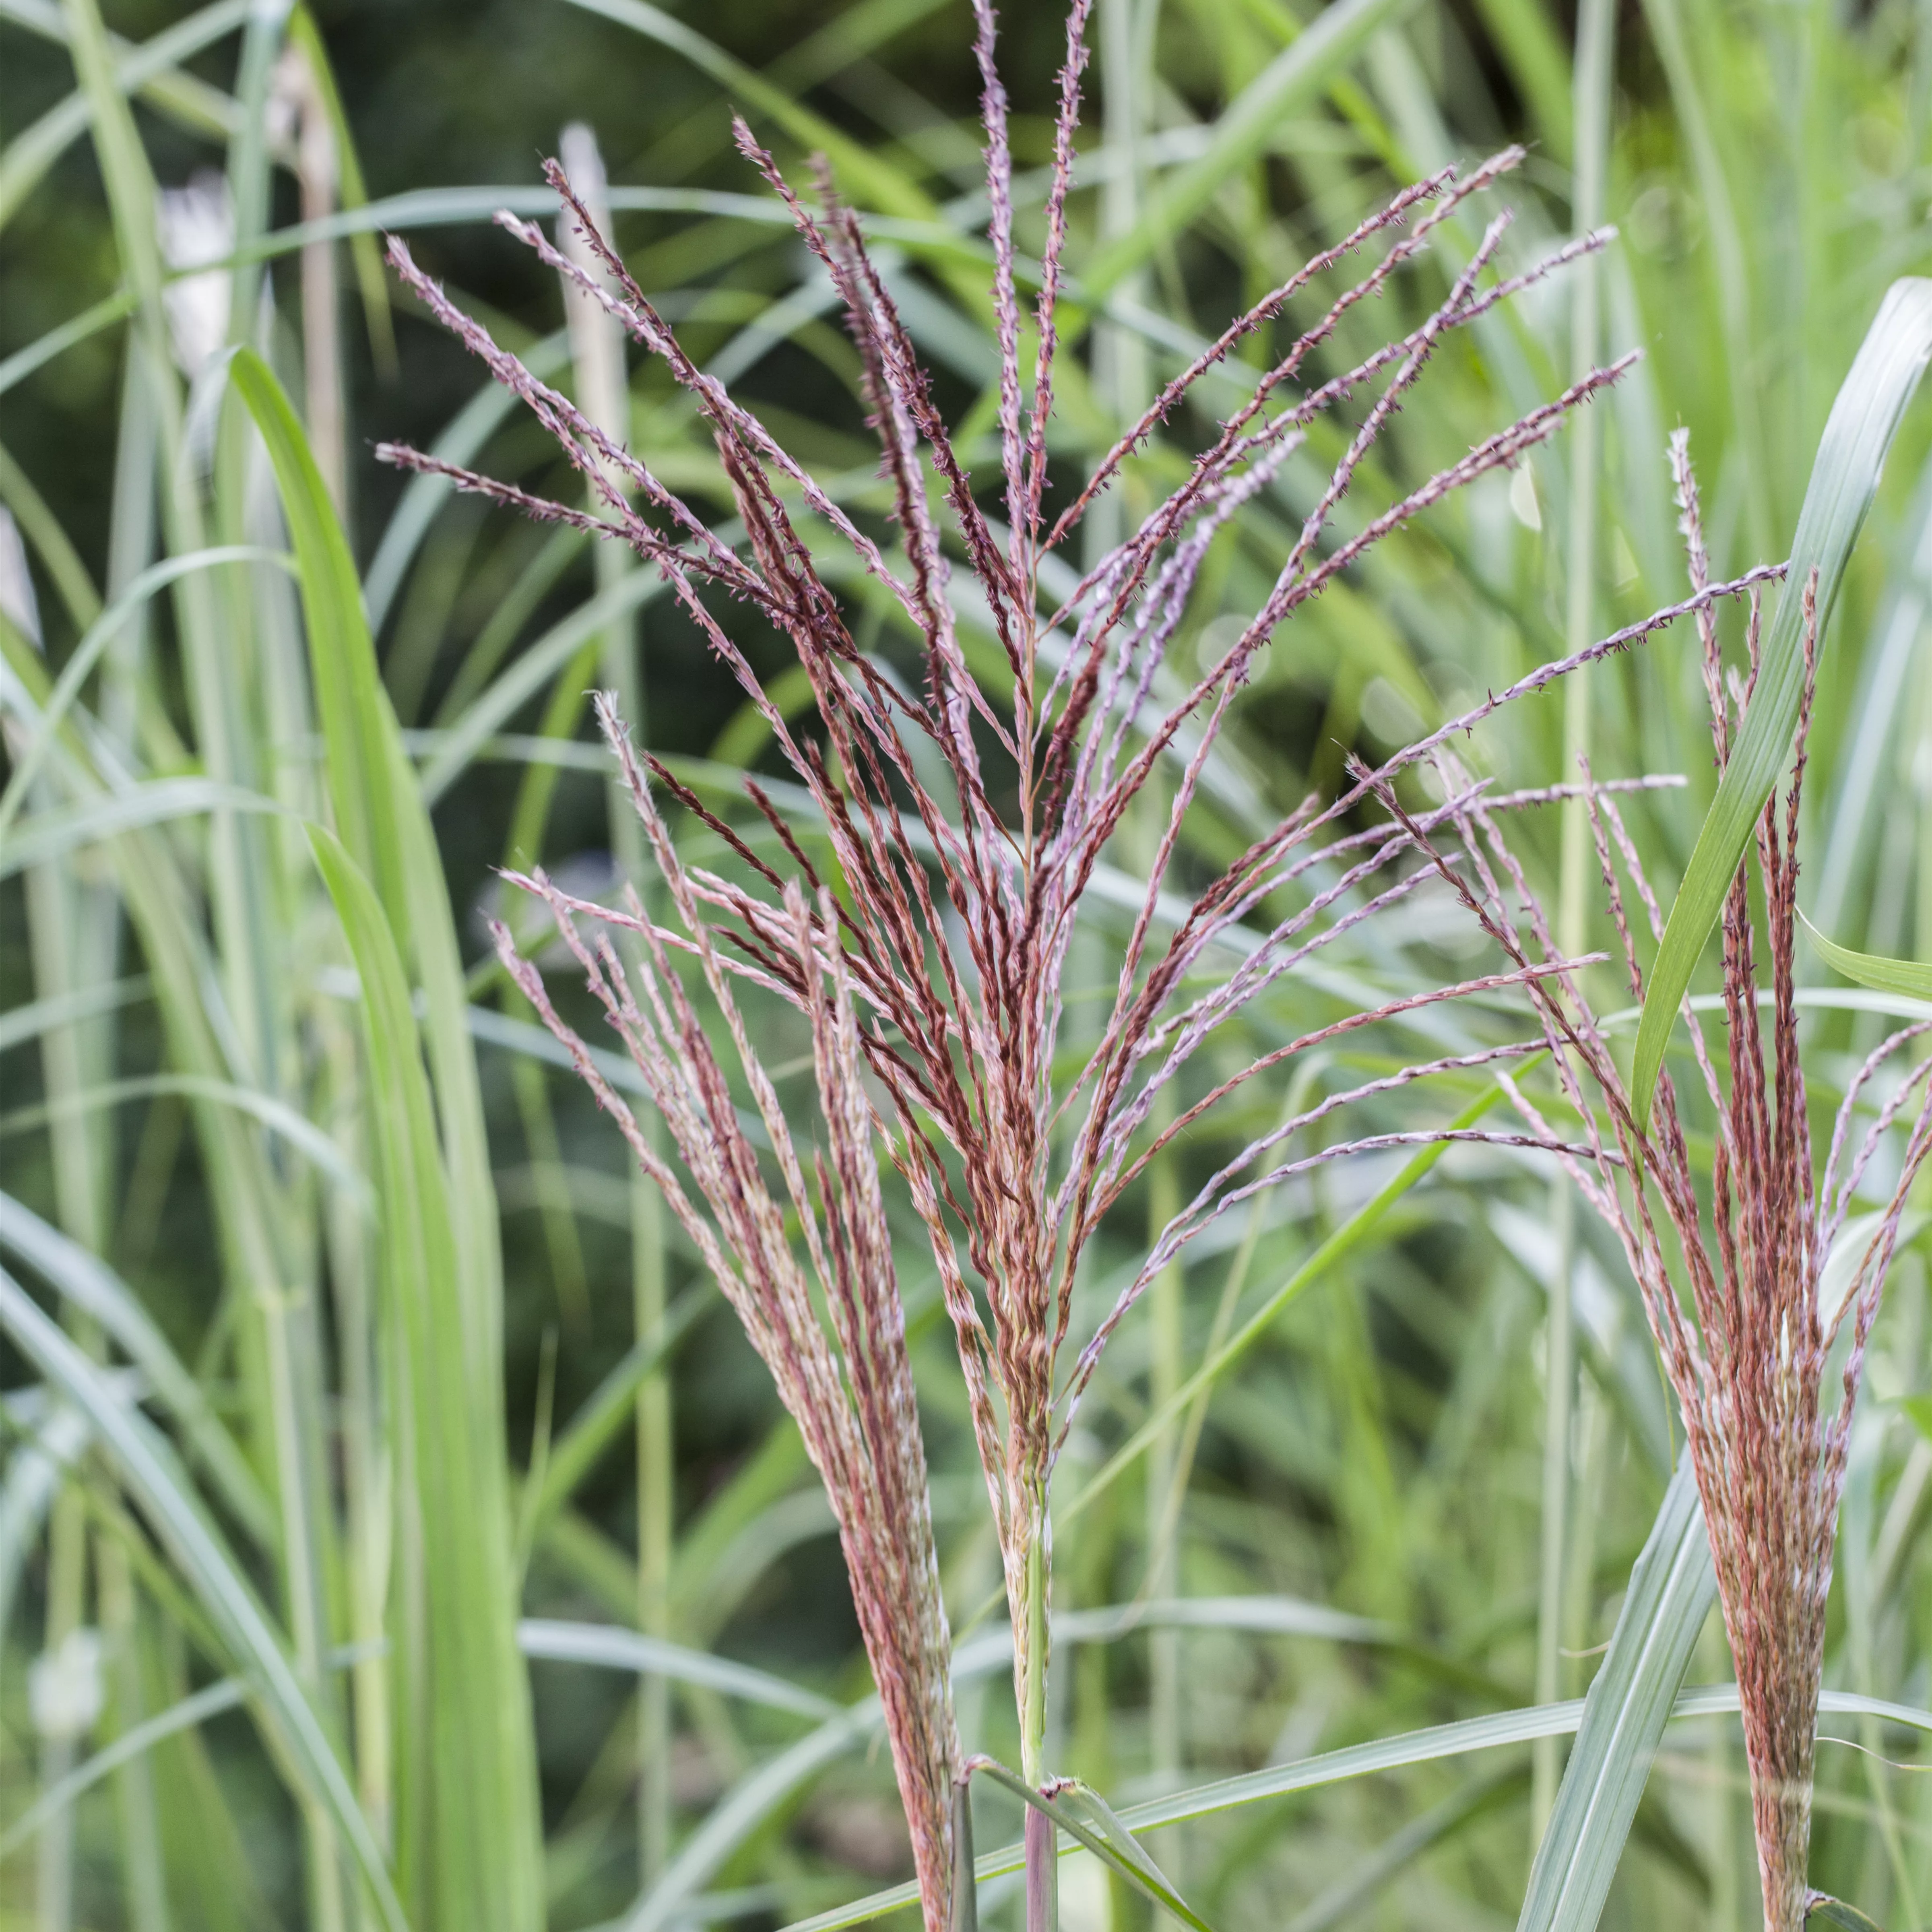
{"x":947,"y":830}
{"x":851,"y":1391}
{"x":1748,"y":1358}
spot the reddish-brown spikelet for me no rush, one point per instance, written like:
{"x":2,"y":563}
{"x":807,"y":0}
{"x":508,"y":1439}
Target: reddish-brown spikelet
{"x":851,"y":1392}
{"x":939,"y":962}
{"x":1749,"y":1359}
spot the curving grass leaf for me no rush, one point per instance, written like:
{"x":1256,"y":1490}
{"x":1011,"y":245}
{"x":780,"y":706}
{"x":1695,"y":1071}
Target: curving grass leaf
{"x":93,"y":1289}
{"x":609,"y":1648}
{"x":864,"y":173}
{"x":469,"y":1833}
{"x":147,"y":1469}
{"x":1337,"y":1247}
{"x":1904,"y":976}
{"x":149,"y":69}
{"x":228,"y":1693}
{"x":1080,"y":1811}
{"x":1836,"y":1911}
{"x":102,"y":632}
{"x":1320,"y":51}
{"x":1309,"y":1774}
{"x":610,"y":1407}
{"x":370,"y":281}
{"x":52,"y":834}
{"x":1671,"y":1588}
{"x":1844,"y":479}
{"x":743,"y":1809}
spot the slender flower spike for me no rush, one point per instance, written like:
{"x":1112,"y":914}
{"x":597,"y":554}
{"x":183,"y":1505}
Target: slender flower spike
{"x":916,"y":899}
{"x":1760,"y":1240}
{"x":851,"y":1391}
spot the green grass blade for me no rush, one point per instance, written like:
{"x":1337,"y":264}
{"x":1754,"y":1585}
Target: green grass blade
{"x":190,"y":102}
{"x":34,"y":1472}
{"x":148,"y":1470}
{"x":1906,"y":976}
{"x":1341,"y":1244}
{"x":610,"y":1408}
{"x":373,"y":791}
{"x":1836,"y":1911}
{"x":105,"y":628}
{"x":86,"y":1281}
{"x":533,"y":668}
{"x":19,"y":1024}
{"x":862,"y":173}
{"x":564,"y":1643}
{"x":1339,"y":1904}
{"x":1412,"y":1747}
{"x":32,"y":151}
{"x":462,"y":442}
{"x":611,"y":1648}
{"x":1844,"y":479}
{"x":42,"y":529}
{"x":226,"y":1695}
{"x":1085,"y":1817}
{"x":350,"y":707}
{"x":477,"y":1857}
{"x":51,"y":835}
{"x":292,"y":1126}
{"x":1671,"y":1591}
{"x":743,"y":1809}
{"x":1305,"y":66}
{"x":36,"y":354}
{"x":371,"y":282}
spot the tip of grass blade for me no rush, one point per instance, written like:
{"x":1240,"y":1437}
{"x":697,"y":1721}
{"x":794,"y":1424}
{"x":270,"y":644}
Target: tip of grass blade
{"x":1844,"y":479}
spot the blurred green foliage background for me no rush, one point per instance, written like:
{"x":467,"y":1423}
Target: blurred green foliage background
{"x":1383,"y":1453}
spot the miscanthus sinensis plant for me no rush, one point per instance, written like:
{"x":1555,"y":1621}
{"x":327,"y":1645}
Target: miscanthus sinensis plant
{"x":1760,"y":1286}
{"x":922,"y":924}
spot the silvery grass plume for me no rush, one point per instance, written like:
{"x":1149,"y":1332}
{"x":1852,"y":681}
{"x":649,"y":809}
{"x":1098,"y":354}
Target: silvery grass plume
{"x":966,"y":823}
{"x":1766,"y":1255}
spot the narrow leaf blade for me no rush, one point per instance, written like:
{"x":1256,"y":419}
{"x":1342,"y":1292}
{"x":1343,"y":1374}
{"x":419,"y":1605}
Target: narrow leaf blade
{"x":148,"y":1469}
{"x":1906,"y":976}
{"x":1080,"y":1811}
{"x":1671,"y":1591}
{"x":1844,"y":479}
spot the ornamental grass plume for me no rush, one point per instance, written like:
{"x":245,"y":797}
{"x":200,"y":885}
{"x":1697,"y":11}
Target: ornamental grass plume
{"x":851,"y":1391}
{"x":1755,"y":1240}
{"x":949,"y":830}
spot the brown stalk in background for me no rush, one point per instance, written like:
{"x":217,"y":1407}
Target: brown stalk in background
{"x":967,"y":824}
{"x":1754,"y":1252}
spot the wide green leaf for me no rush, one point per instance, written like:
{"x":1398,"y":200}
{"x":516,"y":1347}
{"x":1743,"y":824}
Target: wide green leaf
{"x":468,"y":1842}
{"x":1844,"y":479}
